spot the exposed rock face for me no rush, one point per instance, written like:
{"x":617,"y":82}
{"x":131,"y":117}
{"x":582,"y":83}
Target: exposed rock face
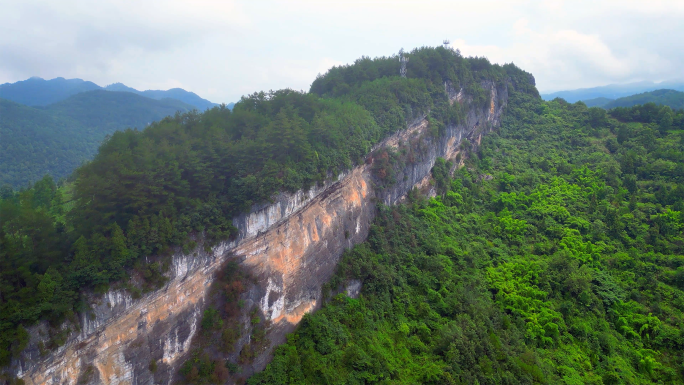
{"x":291,"y":246}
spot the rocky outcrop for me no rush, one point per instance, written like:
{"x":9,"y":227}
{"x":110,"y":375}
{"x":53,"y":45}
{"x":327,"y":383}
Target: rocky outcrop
{"x":290,"y":246}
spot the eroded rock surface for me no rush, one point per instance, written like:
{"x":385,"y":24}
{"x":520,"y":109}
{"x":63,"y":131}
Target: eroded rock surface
{"x":291,"y":247}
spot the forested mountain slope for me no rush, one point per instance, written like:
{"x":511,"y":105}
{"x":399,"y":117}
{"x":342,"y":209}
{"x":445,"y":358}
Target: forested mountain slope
{"x":566,"y":266}
{"x":56,"y":139}
{"x":671,"y":98}
{"x":614,"y":91}
{"x":34,"y":142}
{"x":173,"y":93}
{"x":553,"y":255}
{"x":110,"y":111}
{"x":152,"y":193}
{"x":40,"y":92}
{"x":36,"y":91}
{"x":597,"y":102}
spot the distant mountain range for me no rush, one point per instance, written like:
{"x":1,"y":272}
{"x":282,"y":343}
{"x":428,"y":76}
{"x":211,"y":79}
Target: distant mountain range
{"x":672,"y":98}
{"x":174,"y":93}
{"x":614,"y":91}
{"x":57,"y":138}
{"x":598,"y":102}
{"x":36,"y":91}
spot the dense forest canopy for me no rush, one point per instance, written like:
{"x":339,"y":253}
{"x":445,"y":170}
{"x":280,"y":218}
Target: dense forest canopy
{"x":428,"y":64}
{"x":597,"y":102}
{"x":58,"y":138}
{"x":566,"y":267}
{"x":34,"y":142}
{"x":671,"y":98}
{"x":181,"y":180}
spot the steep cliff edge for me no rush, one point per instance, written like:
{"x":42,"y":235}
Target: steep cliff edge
{"x":290,"y":247}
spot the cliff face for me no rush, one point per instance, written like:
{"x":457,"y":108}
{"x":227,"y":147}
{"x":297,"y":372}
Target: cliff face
{"x":290,"y":247}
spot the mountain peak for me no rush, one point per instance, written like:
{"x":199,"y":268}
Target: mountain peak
{"x":36,"y":91}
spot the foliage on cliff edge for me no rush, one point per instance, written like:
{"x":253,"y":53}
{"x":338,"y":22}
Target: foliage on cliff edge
{"x":567,"y":267}
{"x":180,"y":181}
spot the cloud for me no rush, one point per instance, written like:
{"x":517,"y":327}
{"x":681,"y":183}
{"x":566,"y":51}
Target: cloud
{"x":564,"y":58}
{"x":70,"y":36}
{"x":228,"y":48}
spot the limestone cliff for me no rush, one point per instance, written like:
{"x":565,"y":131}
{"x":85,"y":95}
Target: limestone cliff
{"x":290,"y":246}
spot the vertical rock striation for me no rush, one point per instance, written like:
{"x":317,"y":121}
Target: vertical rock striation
{"x":291,"y":247}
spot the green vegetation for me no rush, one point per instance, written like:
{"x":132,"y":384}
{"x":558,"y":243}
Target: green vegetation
{"x":220,"y":329}
{"x":111,"y":111}
{"x":179,"y":182}
{"x":566,"y":267}
{"x":671,"y":98}
{"x":597,"y":102}
{"x":662,"y":118}
{"x":34,"y":143}
{"x":613,"y":91}
{"x":391,"y":101}
{"x":40,"y":92}
{"x":58,"y":138}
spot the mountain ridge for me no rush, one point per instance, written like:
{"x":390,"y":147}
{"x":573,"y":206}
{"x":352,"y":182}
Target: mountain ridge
{"x":211,"y":168}
{"x":172,"y":93}
{"x":507,"y":240}
{"x":672,"y":98}
{"x":282,"y":296}
{"x":36,"y":91}
{"x":613,"y":91}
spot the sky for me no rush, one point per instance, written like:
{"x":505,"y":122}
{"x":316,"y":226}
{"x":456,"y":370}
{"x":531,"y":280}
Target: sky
{"x":224,"y":49}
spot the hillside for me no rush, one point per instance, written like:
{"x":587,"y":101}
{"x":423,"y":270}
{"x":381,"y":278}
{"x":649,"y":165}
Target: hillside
{"x":110,"y":111}
{"x":39,"y":92}
{"x":597,"y":102}
{"x":181,"y":181}
{"x":34,"y":142}
{"x":174,"y":93}
{"x":673,"y":99}
{"x":58,"y":138}
{"x":550,"y":252}
{"x":565,"y":267}
{"x":613,"y":91}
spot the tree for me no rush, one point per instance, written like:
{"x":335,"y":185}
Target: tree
{"x":665,"y":119}
{"x":623,"y":134}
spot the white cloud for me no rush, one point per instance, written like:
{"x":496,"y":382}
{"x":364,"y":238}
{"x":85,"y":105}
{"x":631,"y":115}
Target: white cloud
{"x":563,"y":58}
{"x":224,"y":48}
{"x":553,"y":5}
{"x":327,"y":63}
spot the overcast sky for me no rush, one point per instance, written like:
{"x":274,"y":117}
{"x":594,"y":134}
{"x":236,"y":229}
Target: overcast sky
{"x":224,"y":49}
